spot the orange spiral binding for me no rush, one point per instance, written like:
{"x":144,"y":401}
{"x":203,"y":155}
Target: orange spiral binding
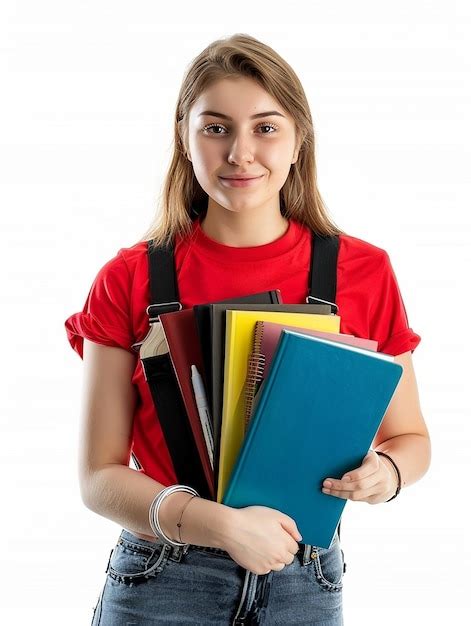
{"x":255,"y":369}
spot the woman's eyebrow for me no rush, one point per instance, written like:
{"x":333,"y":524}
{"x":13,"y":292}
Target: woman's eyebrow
{"x":252,"y":117}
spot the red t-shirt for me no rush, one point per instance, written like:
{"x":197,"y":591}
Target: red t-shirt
{"x":368,"y":298}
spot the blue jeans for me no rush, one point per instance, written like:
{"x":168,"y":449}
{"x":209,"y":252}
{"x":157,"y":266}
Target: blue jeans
{"x":150,"y":583}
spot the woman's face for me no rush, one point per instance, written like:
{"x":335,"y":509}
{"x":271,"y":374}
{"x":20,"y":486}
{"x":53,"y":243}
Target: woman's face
{"x":228,"y":135}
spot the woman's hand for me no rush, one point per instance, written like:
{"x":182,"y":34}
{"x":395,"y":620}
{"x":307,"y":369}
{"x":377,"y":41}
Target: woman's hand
{"x":261,"y":539}
{"x":374,"y":481}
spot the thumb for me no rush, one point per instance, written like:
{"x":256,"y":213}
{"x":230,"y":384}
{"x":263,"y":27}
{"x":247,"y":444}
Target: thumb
{"x":290,"y":526}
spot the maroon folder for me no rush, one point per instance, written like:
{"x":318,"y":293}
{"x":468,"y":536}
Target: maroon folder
{"x":184,"y":348}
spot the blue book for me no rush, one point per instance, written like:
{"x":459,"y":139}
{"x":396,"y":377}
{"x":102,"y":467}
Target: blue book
{"x":316,"y":416}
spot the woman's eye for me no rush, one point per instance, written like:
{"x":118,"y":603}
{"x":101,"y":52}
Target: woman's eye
{"x":213,"y":126}
{"x":272,"y":126}
{"x":265,"y":125}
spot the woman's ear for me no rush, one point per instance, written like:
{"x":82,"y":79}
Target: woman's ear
{"x":186,"y":153}
{"x":296,"y":152}
{"x":295,"y":156}
{"x":183,"y":139}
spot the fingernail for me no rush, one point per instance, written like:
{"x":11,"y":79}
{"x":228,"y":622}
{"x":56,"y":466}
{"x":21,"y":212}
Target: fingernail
{"x":327,"y":484}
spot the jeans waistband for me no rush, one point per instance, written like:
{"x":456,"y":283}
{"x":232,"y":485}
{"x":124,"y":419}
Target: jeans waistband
{"x":176,"y":552}
{"x":304,"y":553}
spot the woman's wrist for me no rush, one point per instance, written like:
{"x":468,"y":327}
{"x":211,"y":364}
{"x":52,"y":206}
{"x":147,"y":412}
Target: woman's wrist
{"x":204,"y":522}
{"x":393,"y":480}
{"x":395,"y":486}
{"x":170,"y":511}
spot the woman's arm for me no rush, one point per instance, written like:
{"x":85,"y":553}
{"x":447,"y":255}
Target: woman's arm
{"x":257,"y":538}
{"x":108,"y":485}
{"x":403,"y":435}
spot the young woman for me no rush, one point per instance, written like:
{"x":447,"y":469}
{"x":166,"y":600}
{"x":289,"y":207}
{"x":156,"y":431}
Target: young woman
{"x":241,"y":113}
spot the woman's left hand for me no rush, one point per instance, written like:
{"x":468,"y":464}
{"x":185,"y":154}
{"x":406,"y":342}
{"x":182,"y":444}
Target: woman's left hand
{"x":374,"y":481}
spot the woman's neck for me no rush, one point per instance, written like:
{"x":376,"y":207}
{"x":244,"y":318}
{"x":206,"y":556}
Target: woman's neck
{"x":243,"y":231}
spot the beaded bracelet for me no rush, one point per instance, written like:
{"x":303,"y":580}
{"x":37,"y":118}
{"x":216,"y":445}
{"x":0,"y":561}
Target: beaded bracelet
{"x":181,"y":515}
{"x":399,"y":480}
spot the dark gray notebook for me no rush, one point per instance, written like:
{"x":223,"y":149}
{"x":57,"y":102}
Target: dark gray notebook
{"x":203,"y":325}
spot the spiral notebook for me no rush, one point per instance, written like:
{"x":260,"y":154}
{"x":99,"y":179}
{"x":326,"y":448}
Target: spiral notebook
{"x":265,"y":340}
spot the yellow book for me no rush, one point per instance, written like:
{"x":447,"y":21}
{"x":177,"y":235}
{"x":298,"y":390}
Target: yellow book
{"x":240,"y":326}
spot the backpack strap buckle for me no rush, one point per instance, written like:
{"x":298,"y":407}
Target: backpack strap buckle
{"x":155,"y":310}
{"x":313,"y":300}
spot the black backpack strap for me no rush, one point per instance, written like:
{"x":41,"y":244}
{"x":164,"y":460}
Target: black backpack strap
{"x":164,"y":296}
{"x":323,"y":271}
{"x":161,"y":378}
{"x":323,"y":276}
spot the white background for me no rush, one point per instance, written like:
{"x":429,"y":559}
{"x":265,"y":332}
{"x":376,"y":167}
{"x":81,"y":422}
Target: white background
{"x":86,"y":118}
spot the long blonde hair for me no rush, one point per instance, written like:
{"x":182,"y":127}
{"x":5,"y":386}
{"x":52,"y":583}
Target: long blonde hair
{"x":183,"y":197}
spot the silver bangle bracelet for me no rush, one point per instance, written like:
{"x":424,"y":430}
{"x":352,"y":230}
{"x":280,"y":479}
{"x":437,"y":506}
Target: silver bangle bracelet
{"x":154,"y":512}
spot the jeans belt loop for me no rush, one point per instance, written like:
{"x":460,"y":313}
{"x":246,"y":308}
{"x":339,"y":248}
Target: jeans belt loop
{"x":307,"y":556}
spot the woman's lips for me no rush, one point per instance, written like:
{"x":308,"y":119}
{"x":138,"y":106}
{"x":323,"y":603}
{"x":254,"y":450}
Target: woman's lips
{"x":240,"y":182}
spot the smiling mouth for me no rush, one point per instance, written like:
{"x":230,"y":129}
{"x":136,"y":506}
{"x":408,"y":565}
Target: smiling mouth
{"x":240,"y":182}
{"x":237,"y":178}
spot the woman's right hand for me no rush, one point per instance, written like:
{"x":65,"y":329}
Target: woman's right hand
{"x":261,"y":539}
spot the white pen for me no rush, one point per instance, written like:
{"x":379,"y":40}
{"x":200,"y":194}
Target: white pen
{"x":202,"y":404}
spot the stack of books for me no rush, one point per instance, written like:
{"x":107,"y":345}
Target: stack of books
{"x":277,"y":400}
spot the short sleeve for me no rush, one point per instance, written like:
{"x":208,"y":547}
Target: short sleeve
{"x":105,"y":317}
{"x":389,"y":324}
